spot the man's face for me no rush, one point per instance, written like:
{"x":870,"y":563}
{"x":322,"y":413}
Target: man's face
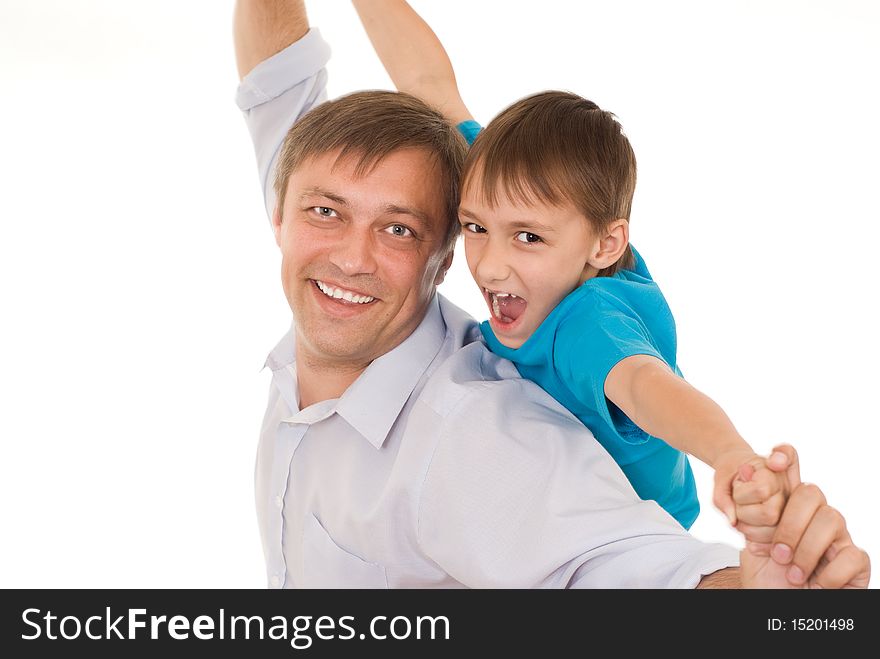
{"x":524,"y":258}
{"x":361,"y":256}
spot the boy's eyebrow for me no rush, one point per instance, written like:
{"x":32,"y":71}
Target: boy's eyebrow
{"x":535,"y":226}
{"x":515,"y":224}
{"x":467,"y":213}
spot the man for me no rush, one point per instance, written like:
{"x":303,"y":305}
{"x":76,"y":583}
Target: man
{"x":396,"y":450}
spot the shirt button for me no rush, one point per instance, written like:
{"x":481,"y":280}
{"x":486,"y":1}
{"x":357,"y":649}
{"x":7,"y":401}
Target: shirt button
{"x":275,"y":581}
{"x":279,"y":502}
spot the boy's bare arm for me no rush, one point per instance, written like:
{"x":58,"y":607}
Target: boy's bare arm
{"x":264,"y":27}
{"x":412,"y":55}
{"x":666,"y":406}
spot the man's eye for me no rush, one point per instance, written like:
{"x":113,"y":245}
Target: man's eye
{"x":323,"y":211}
{"x":526,"y":237}
{"x":473,"y":227}
{"x":400,"y":231}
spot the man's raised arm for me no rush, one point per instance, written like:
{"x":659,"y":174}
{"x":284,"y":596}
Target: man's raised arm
{"x":265,"y":27}
{"x":281,"y":63}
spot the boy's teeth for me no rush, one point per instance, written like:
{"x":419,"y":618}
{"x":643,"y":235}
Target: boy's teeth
{"x":494,"y":294}
{"x":506,"y":307}
{"x":342,"y":294}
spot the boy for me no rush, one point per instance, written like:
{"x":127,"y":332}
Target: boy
{"x":546,"y":196}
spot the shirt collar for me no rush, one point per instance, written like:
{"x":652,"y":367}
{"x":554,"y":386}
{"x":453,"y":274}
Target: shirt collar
{"x":372,"y":403}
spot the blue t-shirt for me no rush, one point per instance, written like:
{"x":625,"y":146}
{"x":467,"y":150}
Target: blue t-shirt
{"x":601,"y":322}
{"x":469,"y":130}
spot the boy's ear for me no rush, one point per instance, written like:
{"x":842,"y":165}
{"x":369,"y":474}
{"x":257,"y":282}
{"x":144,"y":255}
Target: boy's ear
{"x":612,"y":245}
{"x":276,"y":224}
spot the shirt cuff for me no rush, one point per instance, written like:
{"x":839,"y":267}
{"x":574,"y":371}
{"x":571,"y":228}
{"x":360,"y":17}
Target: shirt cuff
{"x":272,"y":77}
{"x":713,"y":558}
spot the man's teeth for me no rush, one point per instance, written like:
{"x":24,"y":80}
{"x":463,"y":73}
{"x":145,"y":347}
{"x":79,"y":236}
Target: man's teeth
{"x":342,"y":294}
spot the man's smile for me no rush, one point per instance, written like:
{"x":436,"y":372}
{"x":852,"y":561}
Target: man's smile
{"x":344,"y":294}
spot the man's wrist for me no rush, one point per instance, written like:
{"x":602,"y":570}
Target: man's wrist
{"x":727,"y":578}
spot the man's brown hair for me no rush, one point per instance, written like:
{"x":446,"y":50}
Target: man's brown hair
{"x":556,"y":147}
{"x":371,"y":125}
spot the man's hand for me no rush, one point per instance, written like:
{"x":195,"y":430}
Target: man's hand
{"x":810,"y":547}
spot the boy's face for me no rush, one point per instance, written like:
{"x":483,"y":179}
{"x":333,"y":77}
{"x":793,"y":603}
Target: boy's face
{"x":524,"y":258}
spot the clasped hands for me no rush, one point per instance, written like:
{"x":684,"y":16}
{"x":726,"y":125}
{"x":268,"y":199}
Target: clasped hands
{"x":794,"y":539}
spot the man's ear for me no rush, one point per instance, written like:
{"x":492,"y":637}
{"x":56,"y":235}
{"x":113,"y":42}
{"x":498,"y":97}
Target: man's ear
{"x":612,"y":245}
{"x":276,"y":224}
{"x":444,"y":267}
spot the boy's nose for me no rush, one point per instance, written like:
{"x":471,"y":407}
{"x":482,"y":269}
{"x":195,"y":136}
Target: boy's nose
{"x":493,"y":265}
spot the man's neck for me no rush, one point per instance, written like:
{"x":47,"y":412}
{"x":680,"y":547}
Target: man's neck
{"x":319,"y":379}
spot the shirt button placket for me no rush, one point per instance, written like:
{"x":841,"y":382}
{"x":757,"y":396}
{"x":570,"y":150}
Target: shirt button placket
{"x":287,"y":439}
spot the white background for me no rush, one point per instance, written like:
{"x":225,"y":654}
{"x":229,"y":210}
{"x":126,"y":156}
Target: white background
{"x":140,"y":282}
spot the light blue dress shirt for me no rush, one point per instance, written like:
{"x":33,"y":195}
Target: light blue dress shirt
{"x":439,"y":466}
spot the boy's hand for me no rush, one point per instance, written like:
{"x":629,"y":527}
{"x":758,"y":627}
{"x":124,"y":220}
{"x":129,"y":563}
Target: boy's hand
{"x":760,"y":497}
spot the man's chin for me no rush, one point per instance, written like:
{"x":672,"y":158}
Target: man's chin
{"x":335,"y":346}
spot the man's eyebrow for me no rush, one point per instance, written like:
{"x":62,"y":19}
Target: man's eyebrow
{"x":395,"y":209}
{"x":390,"y":209}
{"x":318,"y":192}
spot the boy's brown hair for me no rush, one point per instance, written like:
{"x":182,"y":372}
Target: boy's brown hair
{"x":371,"y":125}
{"x":556,"y":147}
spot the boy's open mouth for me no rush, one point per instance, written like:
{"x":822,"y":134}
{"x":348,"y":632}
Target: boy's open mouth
{"x":506,"y":307}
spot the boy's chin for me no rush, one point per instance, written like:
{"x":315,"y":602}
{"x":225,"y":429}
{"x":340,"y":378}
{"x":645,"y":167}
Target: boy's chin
{"x":502,"y":332}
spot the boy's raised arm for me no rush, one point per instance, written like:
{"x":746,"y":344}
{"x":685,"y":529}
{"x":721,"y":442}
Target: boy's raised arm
{"x":412,"y":55}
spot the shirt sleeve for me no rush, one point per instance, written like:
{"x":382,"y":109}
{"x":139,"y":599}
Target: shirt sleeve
{"x":519,"y":494}
{"x":592,"y":341}
{"x":276,"y":93}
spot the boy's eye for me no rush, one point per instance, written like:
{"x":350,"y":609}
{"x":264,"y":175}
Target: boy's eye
{"x":526,"y":237}
{"x":473,"y":227}
{"x":323,"y":211}
{"x":400,"y":231}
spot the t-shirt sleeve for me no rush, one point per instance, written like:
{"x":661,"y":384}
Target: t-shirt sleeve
{"x":469,"y":130}
{"x":276,"y":93}
{"x":589,"y":343}
{"x":518,"y":494}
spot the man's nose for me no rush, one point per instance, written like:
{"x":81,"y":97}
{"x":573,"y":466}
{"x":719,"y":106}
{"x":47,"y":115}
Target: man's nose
{"x":493,"y":263}
{"x":354,"y":252}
